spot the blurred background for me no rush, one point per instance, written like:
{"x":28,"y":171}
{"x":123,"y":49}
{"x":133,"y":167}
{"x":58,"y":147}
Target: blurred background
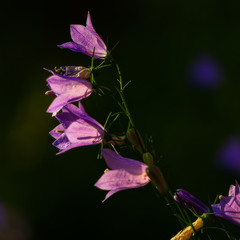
{"x":183,"y":60}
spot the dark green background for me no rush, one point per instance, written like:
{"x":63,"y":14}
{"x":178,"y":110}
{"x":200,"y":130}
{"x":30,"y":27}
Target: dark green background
{"x":158,"y":40}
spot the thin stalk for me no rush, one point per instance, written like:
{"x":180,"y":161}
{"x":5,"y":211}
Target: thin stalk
{"x":124,"y":103}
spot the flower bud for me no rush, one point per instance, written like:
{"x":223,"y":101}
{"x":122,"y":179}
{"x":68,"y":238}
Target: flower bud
{"x":74,"y":71}
{"x":190,"y":202}
{"x":135,"y":139}
{"x":157,"y":178}
{"x":148,"y":158}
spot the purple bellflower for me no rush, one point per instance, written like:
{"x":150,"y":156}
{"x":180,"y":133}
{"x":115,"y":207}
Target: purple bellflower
{"x":190,"y":202}
{"x":67,"y":90}
{"x":86,"y":40}
{"x":124,"y":173}
{"x":76,"y":129}
{"x":229,"y":207}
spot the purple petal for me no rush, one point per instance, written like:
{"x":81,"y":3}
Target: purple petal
{"x":115,"y":161}
{"x":67,"y":147}
{"x":66,"y":118}
{"x":90,"y":27}
{"x":79,"y":112}
{"x":233,"y":190}
{"x":62,"y":142}
{"x":58,"y":103}
{"x":89,"y":24}
{"x":120,"y":179}
{"x":73,"y":46}
{"x":84,"y":133}
{"x":62,"y":84}
{"x":56,"y":132}
{"x":83,"y":36}
{"x":68,"y":90}
{"x":229,"y":207}
{"x":86,"y":40}
{"x":110,"y":193}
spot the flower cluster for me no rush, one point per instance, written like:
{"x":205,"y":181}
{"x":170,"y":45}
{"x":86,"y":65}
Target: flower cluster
{"x":71,"y":84}
{"x":228,"y":208}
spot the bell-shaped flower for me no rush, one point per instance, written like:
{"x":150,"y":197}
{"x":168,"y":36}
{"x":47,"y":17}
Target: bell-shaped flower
{"x":229,"y":207}
{"x":124,"y":173}
{"x":76,"y":129}
{"x":86,"y":40}
{"x":189,"y":201}
{"x":67,"y":90}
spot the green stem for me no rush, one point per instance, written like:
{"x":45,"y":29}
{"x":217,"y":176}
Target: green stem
{"x":126,"y":110}
{"x":120,"y":92}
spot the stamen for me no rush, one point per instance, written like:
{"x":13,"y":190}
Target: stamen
{"x":60,"y":131}
{"x":106,"y":170}
{"x":57,"y":70}
{"x":50,"y":92}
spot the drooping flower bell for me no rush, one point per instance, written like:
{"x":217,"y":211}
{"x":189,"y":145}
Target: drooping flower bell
{"x":86,"y":40}
{"x":189,"y":201}
{"x":76,"y":129}
{"x":124,"y":173}
{"x":67,"y":90}
{"x":229,"y":207}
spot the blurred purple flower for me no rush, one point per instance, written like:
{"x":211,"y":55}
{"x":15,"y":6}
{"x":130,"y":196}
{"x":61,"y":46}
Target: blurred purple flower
{"x":229,"y":207}
{"x":190,"y":202}
{"x":125,"y":173}
{"x":229,"y":155}
{"x":86,"y":40}
{"x":67,"y":90}
{"x":76,"y":129}
{"x":205,"y":73}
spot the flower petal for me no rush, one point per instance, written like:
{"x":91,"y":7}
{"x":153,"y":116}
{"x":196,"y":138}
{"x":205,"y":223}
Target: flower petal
{"x":229,"y":207}
{"x":115,"y":161}
{"x":74,"y":47}
{"x":89,"y":25}
{"x":56,"y":132}
{"x":84,"y":133}
{"x":116,"y":180}
{"x":68,"y":90}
